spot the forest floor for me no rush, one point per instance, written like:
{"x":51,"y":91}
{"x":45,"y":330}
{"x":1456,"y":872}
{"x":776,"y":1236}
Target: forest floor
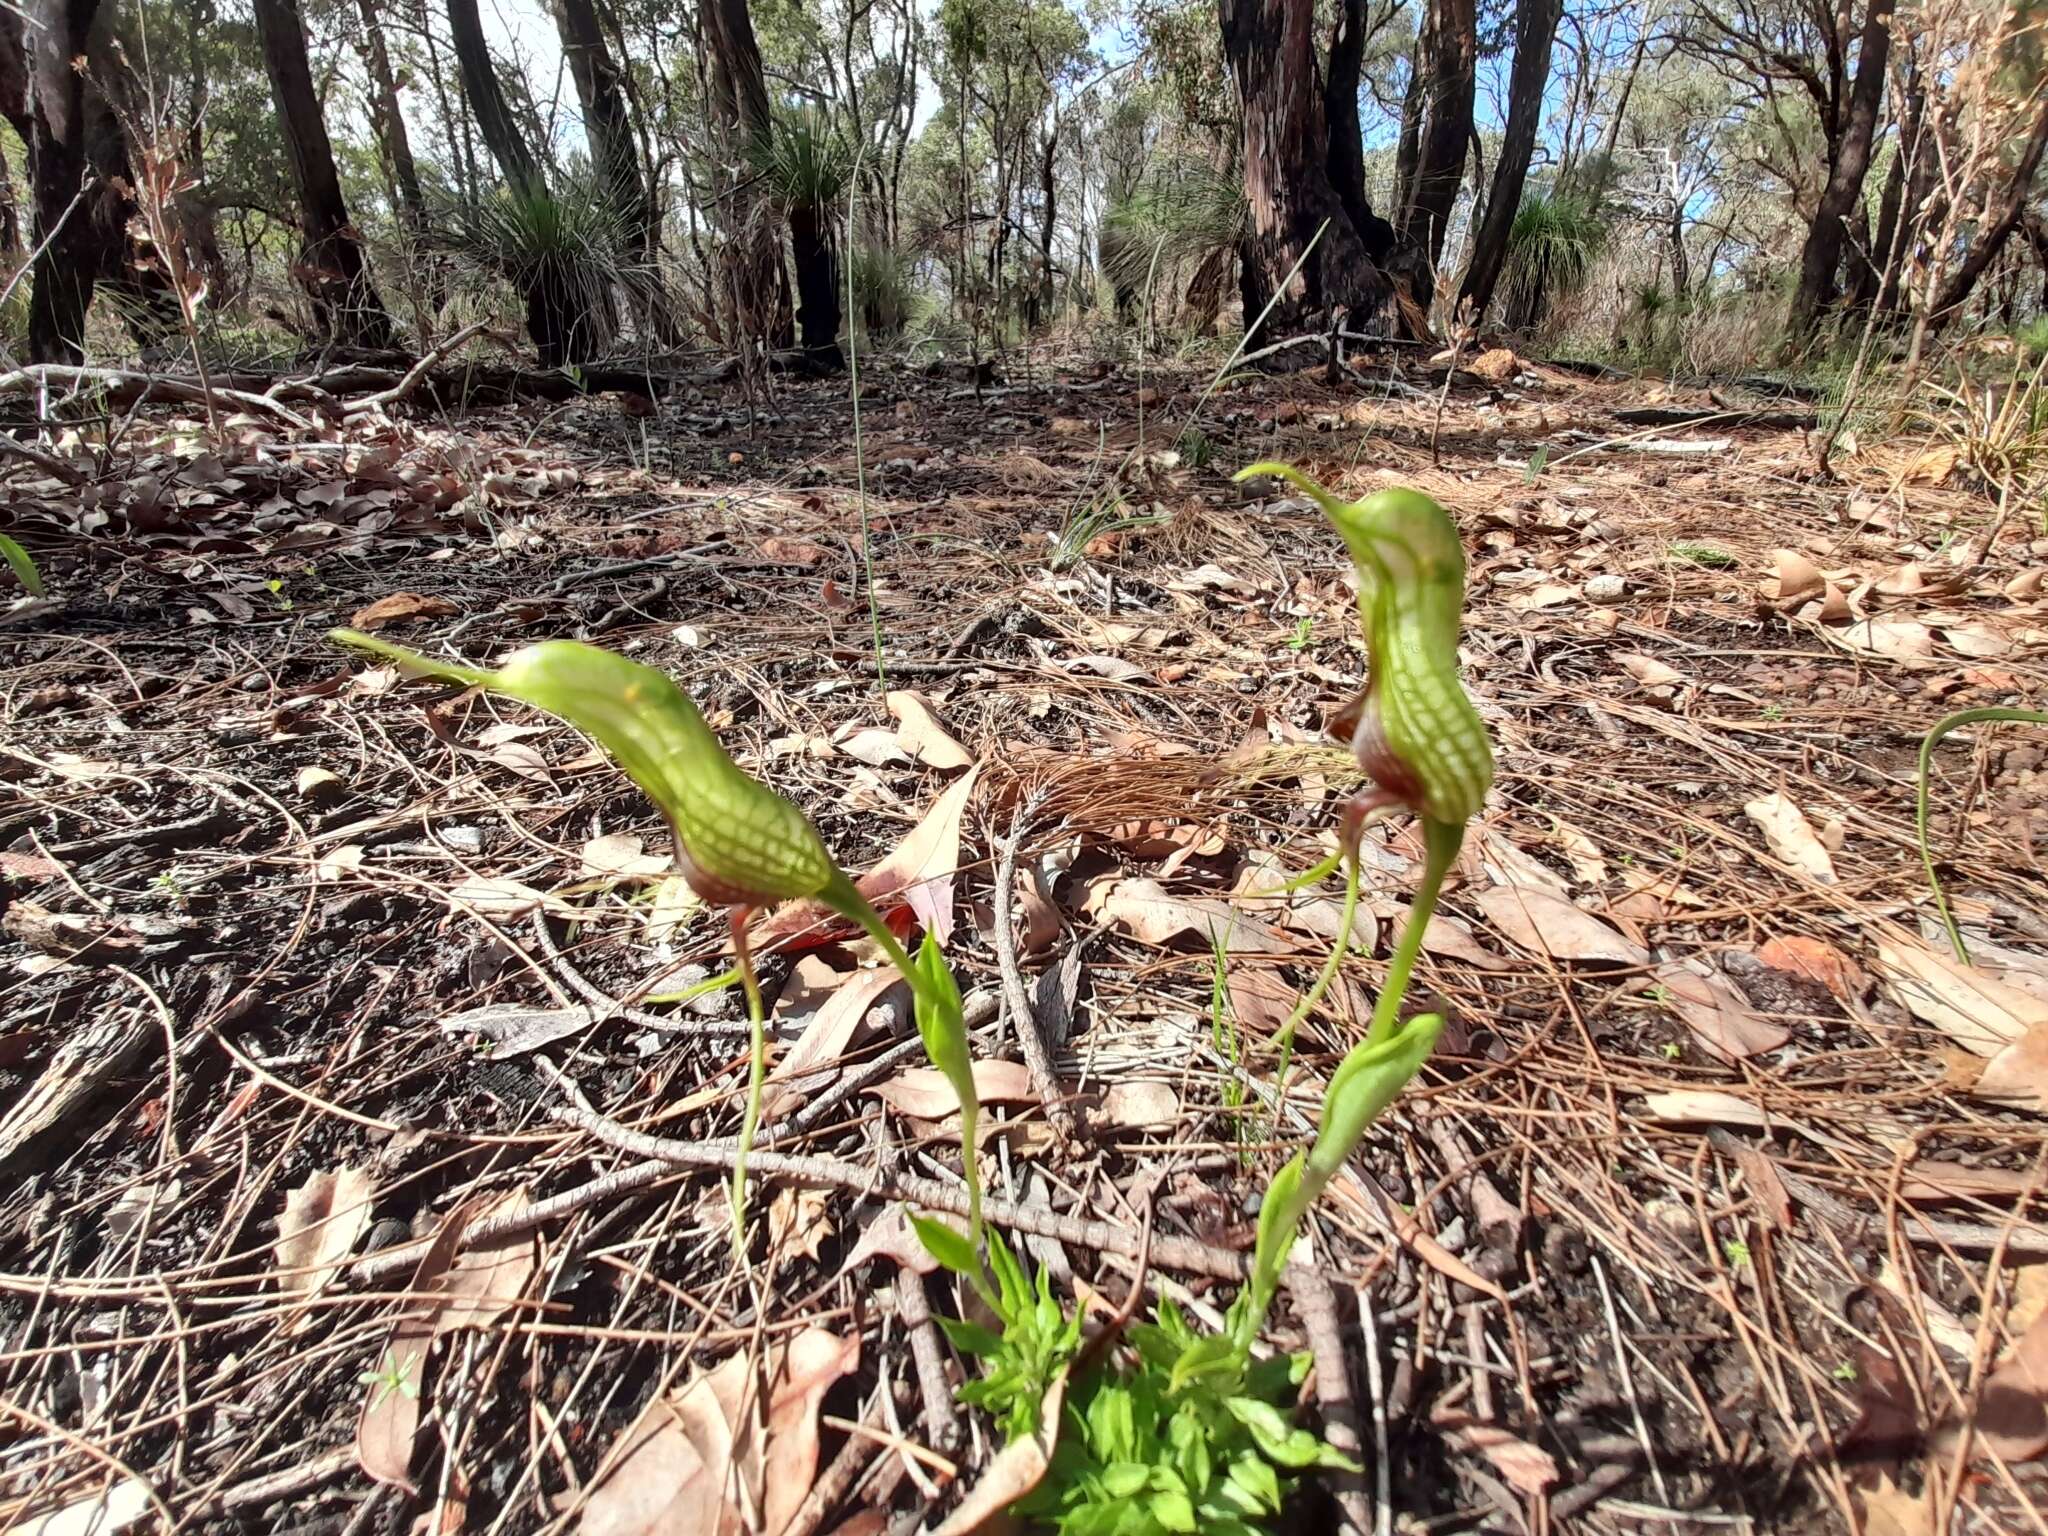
{"x":1721,"y":1206}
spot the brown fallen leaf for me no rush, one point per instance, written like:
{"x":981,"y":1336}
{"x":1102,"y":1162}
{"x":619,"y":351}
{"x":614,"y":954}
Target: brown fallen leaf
{"x":322,"y":1221}
{"x":1547,"y":924}
{"x":1651,"y":672}
{"x":799,"y":1220}
{"x":672,"y":1472}
{"x":621,"y":856}
{"x":919,"y":733}
{"x":1976,"y":1010}
{"x":693,"y":1461}
{"x":923,"y":1092}
{"x":402,"y":608}
{"x":1714,"y":1009}
{"x":826,"y":1033}
{"x":1888,"y":1510}
{"x":919,"y":872}
{"x":2012,"y":1407}
{"x":1016,"y":1469}
{"x":890,"y":1236}
{"x":1796,"y":579}
{"x":1703,"y":1106}
{"x":1790,"y":836}
{"x":450,"y":1290}
{"x":1145,"y":910}
{"x":2018,"y":1074}
{"x":874,"y":745}
{"x":784,"y":551}
{"x":815,"y":1360}
{"x":1816,"y":960}
{"x":1140,"y":1104}
{"x":1530,"y":1468}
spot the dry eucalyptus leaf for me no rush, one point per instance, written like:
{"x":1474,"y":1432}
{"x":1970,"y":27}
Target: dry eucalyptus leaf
{"x":874,"y":745}
{"x":620,"y":856}
{"x":1717,"y":1013}
{"x":1791,"y":837}
{"x":924,"y":1093}
{"x":323,"y":1220}
{"x":1703,"y":1106}
{"x":1144,"y":909}
{"x":401,"y":608}
{"x":919,"y":733}
{"x":1547,"y":924}
{"x":1979,"y":1012}
{"x":1651,"y":672}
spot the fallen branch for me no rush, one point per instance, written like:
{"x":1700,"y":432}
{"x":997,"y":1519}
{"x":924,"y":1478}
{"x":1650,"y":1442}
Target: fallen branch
{"x":124,"y":389}
{"x":417,"y":373}
{"x":70,"y":474}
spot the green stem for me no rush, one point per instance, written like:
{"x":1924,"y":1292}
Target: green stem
{"x":850,"y":904}
{"x":1441,"y":841}
{"x":757,"y":1072}
{"x":1928,"y":743}
{"x":1314,"y":995}
{"x":716,"y":983}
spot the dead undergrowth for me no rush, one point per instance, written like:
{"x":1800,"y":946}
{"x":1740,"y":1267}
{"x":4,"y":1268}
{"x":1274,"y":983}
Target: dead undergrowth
{"x":1721,"y":1206}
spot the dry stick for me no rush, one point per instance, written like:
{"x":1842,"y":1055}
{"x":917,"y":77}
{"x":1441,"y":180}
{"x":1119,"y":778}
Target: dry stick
{"x":410,"y":381}
{"x":1184,"y":1254}
{"x":1318,"y":1309}
{"x":941,"y":1425}
{"x":1382,"y":1473}
{"x":1037,"y":1058}
{"x":68,"y":473}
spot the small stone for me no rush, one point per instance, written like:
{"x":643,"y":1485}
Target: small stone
{"x":1606,"y":589}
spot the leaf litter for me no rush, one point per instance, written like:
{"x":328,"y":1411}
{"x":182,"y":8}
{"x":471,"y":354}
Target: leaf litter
{"x":1659,"y":1002}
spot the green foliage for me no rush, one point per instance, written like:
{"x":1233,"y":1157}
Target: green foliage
{"x":1020,"y":1362}
{"x":1102,"y":512}
{"x":572,"y":243}
{"x":1551,"y":246}
{"x":885,"y":297}
{"x":1183,"y":210}
{"x":804,"y":162}
{"x":1191,"y":1435}
{"x":1710,"y":556}
{"x":22,"y":565}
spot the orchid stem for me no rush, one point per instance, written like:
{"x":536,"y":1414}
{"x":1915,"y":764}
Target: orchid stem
{"x":757,"y":1072}
{"x":1441,"y":841}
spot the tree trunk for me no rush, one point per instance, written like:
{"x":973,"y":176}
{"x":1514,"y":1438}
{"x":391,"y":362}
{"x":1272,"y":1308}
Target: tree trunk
{"x":330,"y":267}
{"x":1270,"y":50}
{"x":1447,"y":128}
{"x":608,"y":124}
{"x":756,"y":286}
{"x":1408,"y":147}
{"x":1995,"y":228}
{"x":390,"y":120}
{"x":1535,"y":32}
{"x":1340,"y":110}
{"x":814,"y":249}
{"x":606,"y":121}
{"x":487,"y":103}
{"x":46,"y":102}
{"x":1848,"y":161}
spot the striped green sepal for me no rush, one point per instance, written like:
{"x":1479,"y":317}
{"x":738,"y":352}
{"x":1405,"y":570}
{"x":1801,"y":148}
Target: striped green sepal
{"x":739,"y":842}
{"x":1411,"y":594}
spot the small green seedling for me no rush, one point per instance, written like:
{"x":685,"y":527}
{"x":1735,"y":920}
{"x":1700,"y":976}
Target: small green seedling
{"x":1304,"y":632}
{"x":1708,"y":555}
{"x":24,"y":568}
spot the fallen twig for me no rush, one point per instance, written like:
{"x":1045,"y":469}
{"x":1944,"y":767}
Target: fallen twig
{"x":418,"y":371}
{"x":1045,"y":1081}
